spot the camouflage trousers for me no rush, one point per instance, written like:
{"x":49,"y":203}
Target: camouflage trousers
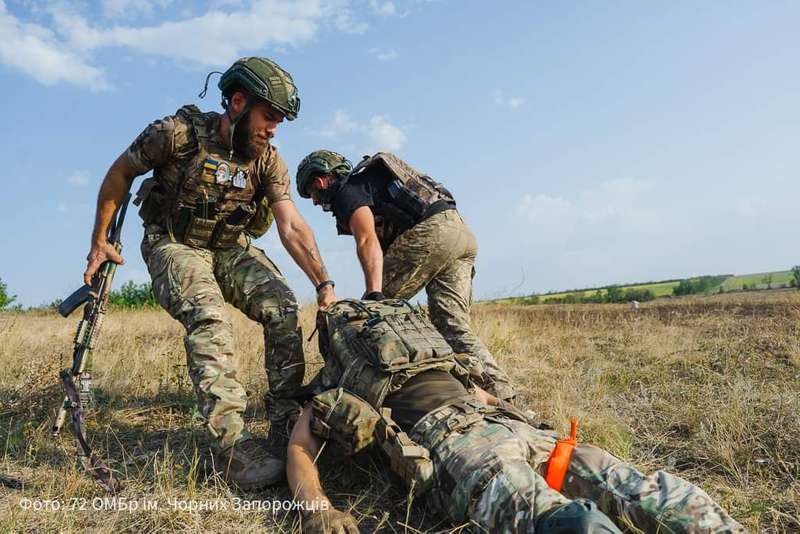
{"x":489,"y":469}
{"x":439,"y":255}
{"x":192,"y":285}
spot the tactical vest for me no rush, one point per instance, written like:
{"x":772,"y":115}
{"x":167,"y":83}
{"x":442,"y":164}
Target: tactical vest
{"x":202,"y":197}
{"x":371,"y":349}
{"x":411,"y":195}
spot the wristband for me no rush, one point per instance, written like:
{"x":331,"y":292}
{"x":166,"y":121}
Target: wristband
{"x":325,"y":283}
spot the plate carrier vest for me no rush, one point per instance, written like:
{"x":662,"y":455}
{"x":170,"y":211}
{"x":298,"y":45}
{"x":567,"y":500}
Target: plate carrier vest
{"x":412,"y":194}
{"x":186,"y":199}
{"x":371,"y":349}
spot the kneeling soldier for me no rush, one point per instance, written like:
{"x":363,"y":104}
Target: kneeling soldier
{"x":391,"y":380}
{"x":408,"y":235}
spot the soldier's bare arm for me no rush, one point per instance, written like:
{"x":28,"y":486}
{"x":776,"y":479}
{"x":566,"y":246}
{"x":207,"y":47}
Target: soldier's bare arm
{"x":362,"y":224}
{"x":113,"y":189}
{"x":319,"y":515}
{"x":299,"y":241}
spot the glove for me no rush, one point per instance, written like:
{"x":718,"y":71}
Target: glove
{"x":374,"y":295}
{"x":330,"y":521}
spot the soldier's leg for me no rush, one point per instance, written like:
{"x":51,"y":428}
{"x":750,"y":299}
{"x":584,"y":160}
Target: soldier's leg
{"x":483,"y":474}
{"x":252,"y":283}
{"x":450,"y":300}
{"x":184,"y":285}
{"x":414,"y":258}
{"x":658,"y":502}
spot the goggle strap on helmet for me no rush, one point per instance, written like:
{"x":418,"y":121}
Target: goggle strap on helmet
{"x":205,"y":86}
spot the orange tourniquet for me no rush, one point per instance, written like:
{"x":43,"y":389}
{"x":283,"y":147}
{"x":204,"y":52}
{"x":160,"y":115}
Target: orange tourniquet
{"x":560,"y":457}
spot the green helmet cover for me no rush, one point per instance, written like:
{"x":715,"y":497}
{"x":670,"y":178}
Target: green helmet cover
{"x":266,"y":80}
{"x":317,"y":163}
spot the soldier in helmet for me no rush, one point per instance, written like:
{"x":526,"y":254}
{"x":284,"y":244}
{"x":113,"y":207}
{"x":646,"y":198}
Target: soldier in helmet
{"x":217,"y":184}
{"x":408,"y":236}
{"x":390,"y":381}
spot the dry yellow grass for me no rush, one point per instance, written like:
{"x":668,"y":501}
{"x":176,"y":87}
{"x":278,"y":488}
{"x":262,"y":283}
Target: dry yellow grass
{"x":708,"y":387}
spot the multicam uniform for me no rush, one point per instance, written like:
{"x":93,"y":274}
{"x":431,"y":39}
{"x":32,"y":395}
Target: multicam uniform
{"x":426,"y":244}
{"x":199,"y":210}
{"x":486,"y":463}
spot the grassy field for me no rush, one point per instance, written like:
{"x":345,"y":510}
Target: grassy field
{"x":758,"y":280}
{"x":708,"y":388}
{"x":777,"y":279}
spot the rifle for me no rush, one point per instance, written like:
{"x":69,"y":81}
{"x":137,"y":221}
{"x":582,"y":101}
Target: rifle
{"x":77,"y":381}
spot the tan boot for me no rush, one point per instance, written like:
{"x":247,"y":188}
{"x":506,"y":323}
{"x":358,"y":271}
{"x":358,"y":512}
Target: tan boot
{"x":251,"y":464}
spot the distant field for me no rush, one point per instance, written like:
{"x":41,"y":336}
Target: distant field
{"x":779,"y":278}
{"x":664,"y":289}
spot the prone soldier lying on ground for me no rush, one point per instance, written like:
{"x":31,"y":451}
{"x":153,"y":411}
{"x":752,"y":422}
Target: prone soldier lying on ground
{"x":391,"y":380}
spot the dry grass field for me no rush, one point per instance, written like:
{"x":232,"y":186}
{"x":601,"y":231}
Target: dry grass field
{"x":707,"y":387}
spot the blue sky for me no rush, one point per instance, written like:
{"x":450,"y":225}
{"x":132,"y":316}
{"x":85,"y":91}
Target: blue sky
{"x":586,"y":142}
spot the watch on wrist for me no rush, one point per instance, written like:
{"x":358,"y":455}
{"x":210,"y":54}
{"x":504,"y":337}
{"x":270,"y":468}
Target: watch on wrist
{"x":324,"y":283}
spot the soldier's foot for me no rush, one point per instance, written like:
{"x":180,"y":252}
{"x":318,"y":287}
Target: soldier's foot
{"x":252,"y":464}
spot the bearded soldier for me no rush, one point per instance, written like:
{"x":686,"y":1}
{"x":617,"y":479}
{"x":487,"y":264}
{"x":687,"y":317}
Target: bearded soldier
{"x":390,"y":380}
{"x":217,"y":183}
{"x":408,"y":235}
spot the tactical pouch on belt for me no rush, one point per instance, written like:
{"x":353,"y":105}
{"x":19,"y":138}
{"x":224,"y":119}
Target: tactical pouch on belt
{"x":344,"y":418}
{"x":409,"y":460}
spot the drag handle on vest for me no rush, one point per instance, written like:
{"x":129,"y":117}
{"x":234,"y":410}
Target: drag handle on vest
{"x":559,"y":460}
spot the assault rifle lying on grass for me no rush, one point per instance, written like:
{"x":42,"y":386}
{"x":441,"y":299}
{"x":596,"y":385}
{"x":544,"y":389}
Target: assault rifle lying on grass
{"x":76,"y":380}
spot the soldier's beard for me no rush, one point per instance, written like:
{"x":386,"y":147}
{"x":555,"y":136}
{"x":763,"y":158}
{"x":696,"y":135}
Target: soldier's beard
{"x":245,"y":144}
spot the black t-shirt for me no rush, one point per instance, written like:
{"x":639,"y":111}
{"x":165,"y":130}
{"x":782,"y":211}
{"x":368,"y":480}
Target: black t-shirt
{"x":370,"y":188}
{"x":422,"y":394}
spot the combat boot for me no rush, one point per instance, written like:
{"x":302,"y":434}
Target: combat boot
{"x":251,"y":464}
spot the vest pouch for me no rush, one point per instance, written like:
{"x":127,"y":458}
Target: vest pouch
{"x":197,"y":232}
{"x":151,"y":199}
{"x":345,"y":419}
{"x":385,"y":347}
{"x":407,"y":199}
{"x":226,"y":235}
{"x":261,"y":221}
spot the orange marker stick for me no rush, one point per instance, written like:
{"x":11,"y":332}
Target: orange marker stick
{"x":560,"y":457}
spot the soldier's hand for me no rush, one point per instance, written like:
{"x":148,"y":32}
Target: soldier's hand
{"x":100,"y":253}
{"x":329,"y":521}
{"x":325,"y":297}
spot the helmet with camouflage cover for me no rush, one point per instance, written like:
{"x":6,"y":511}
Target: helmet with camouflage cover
{"x":263,"y":79}
{"x":317,"y":163}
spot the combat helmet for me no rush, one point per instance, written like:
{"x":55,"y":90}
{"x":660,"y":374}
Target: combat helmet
{"x":320,"y":162}
{"x":263,"y":79}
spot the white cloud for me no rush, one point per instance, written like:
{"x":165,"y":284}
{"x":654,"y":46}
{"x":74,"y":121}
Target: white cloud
{"x":383,"y":55}
{"x":384,"y":9}
{"x":36,"y":51}
{"x":607,"y":209}
{"x":384,"y":135}
{"x":128,"y":9}
{"x":78,"y":179}
{"x":61,"y":51}
{"x":376,"y":134}
{"x":341,"y":125}
{"x":512,"y":102}
{"x":206,"y":39}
